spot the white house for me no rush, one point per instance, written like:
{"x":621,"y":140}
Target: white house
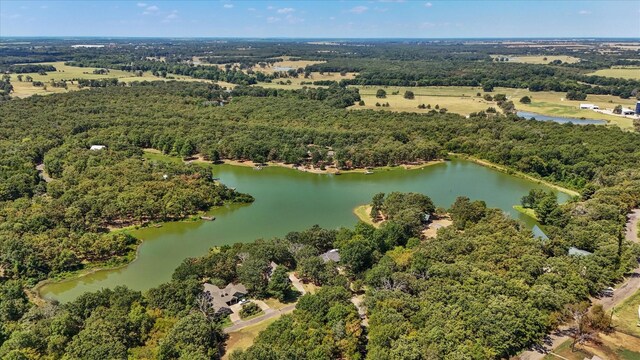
{"x":97,"y":147}
{"x":589,"y":106}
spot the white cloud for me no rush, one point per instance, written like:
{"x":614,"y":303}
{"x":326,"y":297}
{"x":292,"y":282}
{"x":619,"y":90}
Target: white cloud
{"x":285,"y":10}
{"x":44,"y":7}
{"x":227,"y":6}
{"x":428,"y":5}
{"x":294,"y":19}
{"x":332,"y":18}
{"x":251,"y":9}
{"x":269,"y":7}
{"x":584,"y":12}
{"x":15,"y":16}
{"x":150,"y":10}
{"x":427,"y":25}
{"x":359,"y":9}
{"x":142,"y":5}
{"x":172,"y":16}
{"x":273,"y":19}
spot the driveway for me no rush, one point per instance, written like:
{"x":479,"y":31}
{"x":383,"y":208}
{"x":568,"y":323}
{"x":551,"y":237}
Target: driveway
{"x":239,"y":325}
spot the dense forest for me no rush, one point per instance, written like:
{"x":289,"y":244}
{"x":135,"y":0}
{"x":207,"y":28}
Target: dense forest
{"x":487,"y":288}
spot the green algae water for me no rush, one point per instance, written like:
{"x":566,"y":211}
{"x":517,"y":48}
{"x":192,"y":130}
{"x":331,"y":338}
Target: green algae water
{"x":289,"y":200}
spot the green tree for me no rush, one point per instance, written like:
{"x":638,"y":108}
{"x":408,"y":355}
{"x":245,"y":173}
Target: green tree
{"x":545,"y":207}
{"x":525,"y":100}
{"x":356,"y":254}
{"x":381,"y":94}
{"x":409,"y":95}
{"x":279,"y":284}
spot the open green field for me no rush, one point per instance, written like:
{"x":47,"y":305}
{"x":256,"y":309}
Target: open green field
{"x":460,"y":100}
{"x":464,"y":100}
{"x":65,"y":72}
{"x":625,"y":317}
{"x":624,"y":73}
{"x":539,"y":59}
{"x":527,"y":211}
{"x":244,"y":338}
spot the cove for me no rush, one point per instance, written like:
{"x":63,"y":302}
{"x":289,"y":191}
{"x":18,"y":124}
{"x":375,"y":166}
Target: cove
{"x":560,"y":120}
{"x":290,"y":200}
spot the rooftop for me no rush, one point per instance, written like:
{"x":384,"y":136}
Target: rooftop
{"x":578,"y":252}
{"x":222,"y":298}
{"x":331,"y":255}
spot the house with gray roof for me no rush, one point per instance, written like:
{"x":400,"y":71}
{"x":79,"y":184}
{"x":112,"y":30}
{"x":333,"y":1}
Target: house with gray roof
{"x":222,"y":299}
{"x":331,"y":255}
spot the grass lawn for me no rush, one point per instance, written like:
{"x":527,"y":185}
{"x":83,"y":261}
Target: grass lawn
{"x":363,"y":214}
{"x":527,"y":211}
{"x":625,"y":316}
{"x":614,"y":346}
{"x":460,"y":100}
{"x":244,"y":338}
{"x":260,"y":313}
{"x":65,"y":72}
{"x":625,"y":73}
{"x":156,"y":155}
{"x":539,"y":59}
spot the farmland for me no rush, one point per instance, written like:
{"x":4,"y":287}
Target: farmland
{"x":539,"y":59}
{"x":624,"y":73}
{"x":69,"y":73}
{"x":464,"y":100}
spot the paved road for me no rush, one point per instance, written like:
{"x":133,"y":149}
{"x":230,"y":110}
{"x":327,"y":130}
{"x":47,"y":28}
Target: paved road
{"x":244,"y":323}
{"x":624,"y":291}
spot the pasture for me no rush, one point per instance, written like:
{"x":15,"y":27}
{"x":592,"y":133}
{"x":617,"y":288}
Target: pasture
{"x":68,"y":73}
{"x":539,"y":59}
{"x":624,"y":73}
{"x":464,"y":100}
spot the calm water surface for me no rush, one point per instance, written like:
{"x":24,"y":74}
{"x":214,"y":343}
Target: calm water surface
{"x":562,"y":120}
{"x":288,"y":200}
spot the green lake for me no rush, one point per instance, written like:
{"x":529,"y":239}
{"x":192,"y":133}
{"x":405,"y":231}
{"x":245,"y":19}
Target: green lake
{"x":288,"y":200}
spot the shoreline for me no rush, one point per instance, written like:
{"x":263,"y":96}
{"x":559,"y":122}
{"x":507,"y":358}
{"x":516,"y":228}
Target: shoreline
{"x":362,"y":213}
{"x":516,"y":173}
{"x":35,"y":293}
{"x":331,"y":169}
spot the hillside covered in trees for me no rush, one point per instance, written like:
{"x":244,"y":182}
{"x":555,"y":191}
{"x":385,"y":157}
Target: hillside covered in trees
{"x":500,"y":288}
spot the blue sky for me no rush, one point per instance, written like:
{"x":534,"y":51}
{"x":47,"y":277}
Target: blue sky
{"x":322,"y":19}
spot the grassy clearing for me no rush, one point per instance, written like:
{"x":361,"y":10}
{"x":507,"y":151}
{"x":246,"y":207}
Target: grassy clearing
{"x":362,"y":212}
{"x":527,"y":211}
{"x":539,"y":59}
{"x":157,"y":155}
{"x":68,"y":73}
{"x":296,"y":83}
{"x":285,"y":63}
{"x":244,"y":338}
{"x":464,"y":100}
{"x":624,"y":73}
{"x":460,"y":100}
{"x":625,"y":317}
